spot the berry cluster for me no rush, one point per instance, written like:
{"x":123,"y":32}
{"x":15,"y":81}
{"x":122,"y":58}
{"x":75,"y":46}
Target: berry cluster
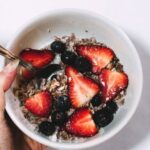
{"x":85,"y":95}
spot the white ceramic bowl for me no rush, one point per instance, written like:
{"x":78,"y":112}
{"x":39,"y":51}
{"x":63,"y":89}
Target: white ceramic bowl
{"x":35,"y":34}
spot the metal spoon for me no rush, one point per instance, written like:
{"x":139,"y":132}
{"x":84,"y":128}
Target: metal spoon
{"x":11,"y":56}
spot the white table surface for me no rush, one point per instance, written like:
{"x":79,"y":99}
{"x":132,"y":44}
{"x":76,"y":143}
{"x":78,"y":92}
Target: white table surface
{"x":133,"y":16}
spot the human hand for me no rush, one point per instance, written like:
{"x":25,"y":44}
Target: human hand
{"x":11,"y":137}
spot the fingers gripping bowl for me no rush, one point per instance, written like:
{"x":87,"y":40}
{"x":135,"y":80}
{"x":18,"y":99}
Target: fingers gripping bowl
{"x":41,"y":32}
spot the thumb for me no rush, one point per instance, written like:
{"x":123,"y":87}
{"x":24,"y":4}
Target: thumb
{"x":8,"y":74}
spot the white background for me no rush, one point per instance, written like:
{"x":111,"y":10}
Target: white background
{"x":133,"y":16}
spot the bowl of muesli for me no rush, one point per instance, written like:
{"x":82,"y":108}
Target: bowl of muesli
{"x":88,"y":84}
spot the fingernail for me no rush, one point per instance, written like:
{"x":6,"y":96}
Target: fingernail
{"x":11,"y":66}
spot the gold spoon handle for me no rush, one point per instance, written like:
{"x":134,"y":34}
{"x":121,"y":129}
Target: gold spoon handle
{"x":4,"y":52}
{"x":7,"y":53}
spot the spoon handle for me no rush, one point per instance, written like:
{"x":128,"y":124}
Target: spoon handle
{"x":7,"y":53}
{"x":11,"y":56}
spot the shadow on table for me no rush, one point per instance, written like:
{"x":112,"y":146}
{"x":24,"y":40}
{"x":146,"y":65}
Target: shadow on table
{"x":139,"y":126}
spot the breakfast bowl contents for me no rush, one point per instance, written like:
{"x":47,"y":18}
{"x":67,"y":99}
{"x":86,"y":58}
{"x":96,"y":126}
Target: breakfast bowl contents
{"x":87,"y":86}
{"x":79,"y":86}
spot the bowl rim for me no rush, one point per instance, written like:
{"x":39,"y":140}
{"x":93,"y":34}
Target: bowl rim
{"x":119,"y":31}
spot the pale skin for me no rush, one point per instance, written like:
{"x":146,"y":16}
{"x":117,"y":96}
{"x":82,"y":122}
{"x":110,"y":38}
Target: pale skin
{"x":12,"y":138}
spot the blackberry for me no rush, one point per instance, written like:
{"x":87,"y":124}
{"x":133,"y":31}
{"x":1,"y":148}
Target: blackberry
{"x":102,"y":118}
{"x":59,"y":117}
{"x":82,"y":64}
{"x":47,"y":71}
{"x":58,"y":47}
{"x":68,"y":57}
{"x":96,"y":100}
{"x":111,"y":107}
{"x":47,"y":128}
{"x":62,"y":103}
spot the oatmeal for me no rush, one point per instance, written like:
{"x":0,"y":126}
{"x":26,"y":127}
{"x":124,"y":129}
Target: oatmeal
{"x":78,"y":89}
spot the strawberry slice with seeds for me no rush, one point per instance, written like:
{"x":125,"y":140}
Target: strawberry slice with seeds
{"x":38,"y":58}
{"x":99,"y":56}
{"x":81,"y":123}
{"x":39,"y":104}
{"x":113,"y":82}
{"x":81,"y":88}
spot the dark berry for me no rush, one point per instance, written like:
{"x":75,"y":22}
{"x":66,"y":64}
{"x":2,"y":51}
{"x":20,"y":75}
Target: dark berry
{"x":59,"y":118}
{"x":102,"y":118}
{"x":68,"y":57}
{"x":47,"y":71}
{"x":62,"y":103}
{"x":82,"y":64}
{"x":47,"y":128}
{"x":96,"y":100}
{"x":111,"y":107}
{"x":58,"y":47}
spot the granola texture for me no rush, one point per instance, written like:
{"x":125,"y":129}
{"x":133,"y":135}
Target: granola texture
{"x":58,"y":86}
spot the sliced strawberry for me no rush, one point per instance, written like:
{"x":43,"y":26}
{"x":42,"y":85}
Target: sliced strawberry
{"x":26,"y":73}
{"x":39,"y":104}
{"x":113,"y":82}
{"x":38,"y":58}
{"x":81,"y":88}
{"x":99,"y":56}
{"x":81,"y":123}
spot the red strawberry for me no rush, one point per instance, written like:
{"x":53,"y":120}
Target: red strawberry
{"x":39,"y":104}
{"x":81,"y":88}
{"x":99,"y":56}
{"x":81,"y":123}
{"x":113,"y":82}
{"x":25,"y":73}
{"x":38,"y":58}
